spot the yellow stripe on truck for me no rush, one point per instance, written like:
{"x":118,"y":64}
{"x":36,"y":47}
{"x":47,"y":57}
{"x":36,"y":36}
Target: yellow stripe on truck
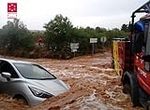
{"x":116,"y":57}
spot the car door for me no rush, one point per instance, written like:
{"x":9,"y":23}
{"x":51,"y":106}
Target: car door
{"x":7,"y":85}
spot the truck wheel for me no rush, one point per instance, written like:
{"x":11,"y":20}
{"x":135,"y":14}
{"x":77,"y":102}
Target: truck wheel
{"x":130,"y":86}
{"x":134,"y":93}
{"x":126,"y":88}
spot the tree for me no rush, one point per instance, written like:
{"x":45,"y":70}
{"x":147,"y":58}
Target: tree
{"x":100,"y":30}
{"x":58,"y":32}
{"x":14,"y":35}
{"x":125,"y":28}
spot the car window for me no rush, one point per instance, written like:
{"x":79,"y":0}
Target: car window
{"x":33,"y":71}
{"x":6,"y":67}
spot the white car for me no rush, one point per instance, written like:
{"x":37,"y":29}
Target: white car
{"x":29,"y":81}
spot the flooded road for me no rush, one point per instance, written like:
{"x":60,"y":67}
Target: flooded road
{"x":94,"y":85}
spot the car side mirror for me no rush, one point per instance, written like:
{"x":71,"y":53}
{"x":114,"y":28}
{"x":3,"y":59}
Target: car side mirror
{"x":6,"y":75}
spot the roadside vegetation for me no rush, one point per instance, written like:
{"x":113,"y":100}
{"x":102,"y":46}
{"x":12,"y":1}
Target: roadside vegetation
{"x":54,"y":42}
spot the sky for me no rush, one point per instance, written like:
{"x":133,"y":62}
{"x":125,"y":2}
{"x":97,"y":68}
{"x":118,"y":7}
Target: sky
{"x":107,"y":14}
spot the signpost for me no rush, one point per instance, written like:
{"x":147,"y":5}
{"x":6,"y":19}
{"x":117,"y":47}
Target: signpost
{"x":74,"y":47}
{"x":93,"y":41}
{"x":103,"y":40}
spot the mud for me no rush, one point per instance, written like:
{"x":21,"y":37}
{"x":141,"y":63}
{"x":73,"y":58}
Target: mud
{"x":94,"y":86}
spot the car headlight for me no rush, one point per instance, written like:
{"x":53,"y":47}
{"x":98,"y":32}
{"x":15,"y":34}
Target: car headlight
{"x":40,"y":93}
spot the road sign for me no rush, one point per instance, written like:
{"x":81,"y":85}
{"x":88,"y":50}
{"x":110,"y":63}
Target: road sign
{"x":103,"y":39}
{"x":74,"y":47}
{"x":93,"y":40}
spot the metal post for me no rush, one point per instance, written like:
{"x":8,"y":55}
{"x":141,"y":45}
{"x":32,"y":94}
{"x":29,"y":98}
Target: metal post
{"x":74,"y":54}
{"x":93,"y":49}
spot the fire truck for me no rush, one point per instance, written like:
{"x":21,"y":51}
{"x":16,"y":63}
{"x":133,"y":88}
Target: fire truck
{"x":131,"y":58}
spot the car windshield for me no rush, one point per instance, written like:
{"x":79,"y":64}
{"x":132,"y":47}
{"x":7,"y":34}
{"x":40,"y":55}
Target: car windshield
{"x":33,"y":71}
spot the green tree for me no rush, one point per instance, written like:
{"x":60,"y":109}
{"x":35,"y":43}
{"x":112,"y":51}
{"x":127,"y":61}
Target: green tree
{"x":125,"y":28}
{"x":100,"y":30}
{"x":14,"y":35}
{"x":58,"y":32}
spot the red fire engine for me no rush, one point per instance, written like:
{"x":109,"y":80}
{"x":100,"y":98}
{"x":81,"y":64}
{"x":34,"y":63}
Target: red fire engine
{"x":131,"y":59}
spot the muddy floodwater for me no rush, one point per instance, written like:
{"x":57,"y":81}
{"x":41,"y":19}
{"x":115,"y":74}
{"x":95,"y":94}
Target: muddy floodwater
{"x":94,"y":86}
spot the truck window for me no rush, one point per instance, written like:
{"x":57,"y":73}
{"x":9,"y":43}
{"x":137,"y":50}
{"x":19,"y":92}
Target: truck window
{"x":148,"y":42}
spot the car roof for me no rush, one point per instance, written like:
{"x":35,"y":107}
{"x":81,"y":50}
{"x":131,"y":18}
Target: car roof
{"x":16,"y":61}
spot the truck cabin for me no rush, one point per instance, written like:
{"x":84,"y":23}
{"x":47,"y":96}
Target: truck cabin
{"x":141,"y":40}
{"x":140,"y":33}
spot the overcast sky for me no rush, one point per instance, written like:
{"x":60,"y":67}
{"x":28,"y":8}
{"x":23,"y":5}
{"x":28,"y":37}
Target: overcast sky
{"x":82,"y":13}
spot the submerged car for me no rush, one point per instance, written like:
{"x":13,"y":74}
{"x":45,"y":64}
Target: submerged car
{"x":29,"y":81}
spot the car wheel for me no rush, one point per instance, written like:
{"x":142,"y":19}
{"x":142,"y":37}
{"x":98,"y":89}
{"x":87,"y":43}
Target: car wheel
{"x":22,"y":99}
